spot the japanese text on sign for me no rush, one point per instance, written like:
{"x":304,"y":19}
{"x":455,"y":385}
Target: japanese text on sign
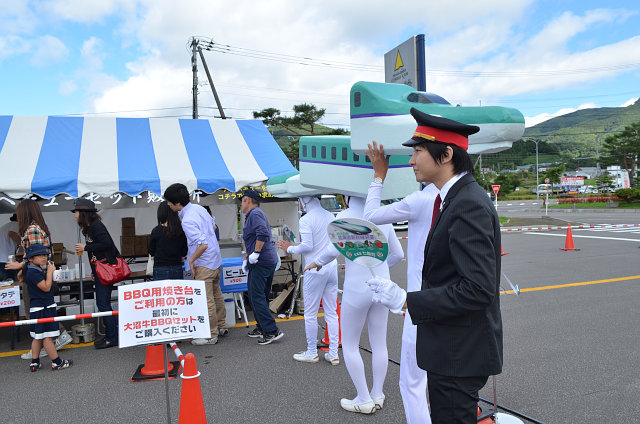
{"x":161,"y":311}
{"x":10,"y":297}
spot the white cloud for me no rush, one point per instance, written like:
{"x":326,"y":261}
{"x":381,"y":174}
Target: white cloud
{"x":530,"y":121}
{"x":629,"y":102}
{"x":48,"y":51}
{"x":86,"y":11}
{"x":13,"y":45}
{"x":16,"y":17}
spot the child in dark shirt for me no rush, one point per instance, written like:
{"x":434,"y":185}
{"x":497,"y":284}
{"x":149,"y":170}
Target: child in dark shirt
{"x":42,"y":306}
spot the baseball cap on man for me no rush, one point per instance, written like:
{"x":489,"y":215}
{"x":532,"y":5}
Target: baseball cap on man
{"x":439,"y":129}
{"x":82,"y":204}
{"x":35,"y":250}
{"x":252,"y":194}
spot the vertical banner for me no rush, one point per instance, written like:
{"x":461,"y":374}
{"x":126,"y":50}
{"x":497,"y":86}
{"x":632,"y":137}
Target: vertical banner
{"x":405,"y":64}
{"x":162,"y":311}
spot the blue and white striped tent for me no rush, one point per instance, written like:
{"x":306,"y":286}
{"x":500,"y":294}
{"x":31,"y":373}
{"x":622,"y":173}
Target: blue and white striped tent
{"x":75,"y":155}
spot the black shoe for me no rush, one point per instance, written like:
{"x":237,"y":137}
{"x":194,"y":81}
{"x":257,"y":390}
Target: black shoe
{"x":268,"y":338}
{"x":104,"y":344}
{"x":256,"y":332}
{"x":223,"y":332}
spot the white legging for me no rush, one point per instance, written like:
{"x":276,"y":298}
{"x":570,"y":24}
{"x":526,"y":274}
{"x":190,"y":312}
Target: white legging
{"x":321,"y":285}
{"x":413,"y":379}
{"x":357,"y":307}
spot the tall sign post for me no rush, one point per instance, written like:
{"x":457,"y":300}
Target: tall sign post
{"x":405,"y":64}
{"x":496,"y":189}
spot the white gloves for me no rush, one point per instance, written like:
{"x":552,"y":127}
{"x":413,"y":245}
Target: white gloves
{"x":387,"y":293}
{"x":245,"y":268}
{"x":253,"y":258}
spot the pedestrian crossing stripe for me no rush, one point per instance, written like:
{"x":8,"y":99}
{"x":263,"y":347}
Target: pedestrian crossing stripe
{"x":399,"y":63}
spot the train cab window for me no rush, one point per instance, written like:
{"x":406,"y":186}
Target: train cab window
{"x":356,"y":158}
{"x":313,"y":151}
{"x":323,"y":152}
{"x":345,"y":155}
{"x":334,"y":153}
{"x":424,"y":98}
{"x":304,"y":150}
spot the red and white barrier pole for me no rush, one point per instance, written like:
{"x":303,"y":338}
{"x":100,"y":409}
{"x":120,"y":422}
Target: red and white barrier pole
{"x":177,"y":352}
{"x":57,"y":319}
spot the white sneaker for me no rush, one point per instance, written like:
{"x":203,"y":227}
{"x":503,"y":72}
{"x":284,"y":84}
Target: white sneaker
{"x":363,"y":407}
{"x":201,"y":342}
{"x":63,"y":340}
{"x":379,"y":401}
{"x":333,"y":360}
{"x":306,"y":357}
{"x":29,"y":355}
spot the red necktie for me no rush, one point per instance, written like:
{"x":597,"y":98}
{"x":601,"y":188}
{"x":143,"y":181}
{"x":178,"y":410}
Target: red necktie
{"x":436,"y":209}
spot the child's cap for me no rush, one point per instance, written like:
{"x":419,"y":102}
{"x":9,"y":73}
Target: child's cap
{"x":35,"y":250}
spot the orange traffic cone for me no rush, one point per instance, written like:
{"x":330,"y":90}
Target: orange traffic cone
{"x":153,"y":367}
{"x":191,"y":403}
{"x":502,"y":251}
{"x":568,"y":244}
{"x":325,"y":340}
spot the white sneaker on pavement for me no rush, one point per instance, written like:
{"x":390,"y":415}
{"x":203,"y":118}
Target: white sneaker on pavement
{"x":306,"y":357}
{"x":379,"y":401}
{"x":29,"y":355}
{"x":201,"y":342}
{"x":333,"y":360}
{"x":351,"y":405}
{"x":63,"y":340}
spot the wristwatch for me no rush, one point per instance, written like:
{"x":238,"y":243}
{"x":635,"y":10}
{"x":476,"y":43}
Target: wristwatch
{"x":377,"y":180}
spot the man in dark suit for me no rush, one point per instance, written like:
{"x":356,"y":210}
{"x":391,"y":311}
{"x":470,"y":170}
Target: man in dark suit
{"x":457,"y":311}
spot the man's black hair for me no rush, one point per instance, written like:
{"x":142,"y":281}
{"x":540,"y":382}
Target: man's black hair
{"x":177,"y":194}
{"x":461,"y":160}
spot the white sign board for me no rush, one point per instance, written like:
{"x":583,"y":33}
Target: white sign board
{"x":234,"y":276}
{"x":10,"y":297}
{"x":400,"y":64}
{"x":162,"y":311}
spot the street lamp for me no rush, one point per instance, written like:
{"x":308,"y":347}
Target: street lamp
{"x":537,"y":167}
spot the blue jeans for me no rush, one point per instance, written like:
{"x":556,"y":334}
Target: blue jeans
{"x":169,"y":272}
{"x":259,"y":285}
{"x":103,"y":302}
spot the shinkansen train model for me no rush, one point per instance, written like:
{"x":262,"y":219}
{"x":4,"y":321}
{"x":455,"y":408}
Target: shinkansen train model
{"x":380,"y":112}
{"x":328,"y":165}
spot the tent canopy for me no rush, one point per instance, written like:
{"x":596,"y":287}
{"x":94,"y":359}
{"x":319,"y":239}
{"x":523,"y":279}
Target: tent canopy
{"x":80,"y":155}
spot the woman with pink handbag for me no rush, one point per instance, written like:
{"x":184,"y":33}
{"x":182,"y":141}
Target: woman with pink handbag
{"x":100,"y":247}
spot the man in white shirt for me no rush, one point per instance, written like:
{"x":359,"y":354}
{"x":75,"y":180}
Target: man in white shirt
{"x":9,"y":239}
{"x":416,"y":209}
{"x":203,"y":256}
{"x":316,"y":285}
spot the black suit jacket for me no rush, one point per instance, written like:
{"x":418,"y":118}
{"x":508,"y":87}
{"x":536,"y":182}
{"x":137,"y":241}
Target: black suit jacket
{"x":458,"y":309}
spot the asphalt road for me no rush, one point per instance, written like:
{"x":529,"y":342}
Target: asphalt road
{"x":571,"y":352}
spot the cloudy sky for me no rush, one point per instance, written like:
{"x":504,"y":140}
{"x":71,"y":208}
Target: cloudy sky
{"x":132,"y":57}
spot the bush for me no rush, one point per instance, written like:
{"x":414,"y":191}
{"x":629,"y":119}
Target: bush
{"x":628,"y":195}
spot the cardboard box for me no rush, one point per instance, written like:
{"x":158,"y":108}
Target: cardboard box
{"x":60,"y":258}
{"x":57,"y":247}
{"x":127,"y":246}
{"x":276,"y":304}
{"x":128,"y":226}
{"x":142,"y":245}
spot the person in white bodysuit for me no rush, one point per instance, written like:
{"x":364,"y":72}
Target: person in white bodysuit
{"x":358,"y":308}
{"x":316,"y":285}
{"x":417,"y":209}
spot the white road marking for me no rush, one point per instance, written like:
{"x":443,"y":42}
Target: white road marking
{"x":592,"y":237}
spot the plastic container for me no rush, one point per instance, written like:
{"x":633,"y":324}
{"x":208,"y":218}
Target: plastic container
{"x":230,"y":306}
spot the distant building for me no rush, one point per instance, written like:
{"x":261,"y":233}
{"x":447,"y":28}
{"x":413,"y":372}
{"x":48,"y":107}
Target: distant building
{"x":587,"y":172}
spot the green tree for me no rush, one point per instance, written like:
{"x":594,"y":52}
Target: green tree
{"x":623,"y":148}
{"x":604,"y":182}
{"x":508,"y":182}
{"x":270,"y":116}
{"x":554,"y":174}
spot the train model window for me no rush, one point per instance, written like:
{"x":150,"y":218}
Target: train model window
{"x":426,"y":98}
{"x":304,"y":150}
{"x":345,"y":155}
{"x":357,"y":99}
{"x":356,"y":158}
{"x":313,"y":151}
{"x":334,"y":153}
{"x":323,"y":152}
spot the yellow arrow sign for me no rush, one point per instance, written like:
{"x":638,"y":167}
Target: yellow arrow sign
{"x":399,"y":63}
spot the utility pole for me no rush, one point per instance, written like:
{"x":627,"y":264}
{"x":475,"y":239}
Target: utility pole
{"x":537,"y":168}
{"x":194,"y":70}
{"x":213,"y":88}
